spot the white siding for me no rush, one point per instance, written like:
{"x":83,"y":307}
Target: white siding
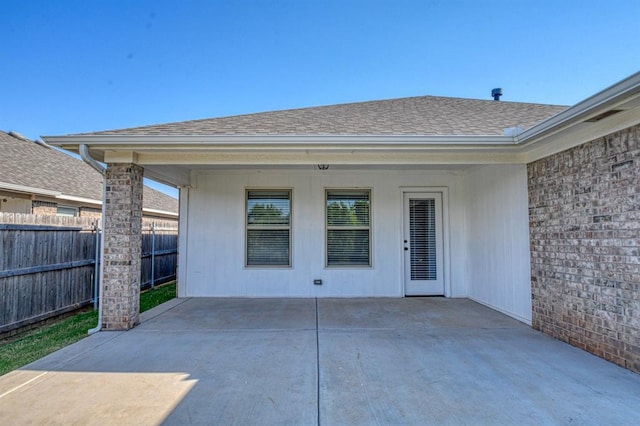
{"x":214,"y":255}
{"x":498,"y":239}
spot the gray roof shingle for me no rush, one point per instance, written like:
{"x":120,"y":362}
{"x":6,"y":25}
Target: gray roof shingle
{"x":27,"y":163}
{"x":422,"y":115}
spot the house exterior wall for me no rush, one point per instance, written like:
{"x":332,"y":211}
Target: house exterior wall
{"x":584,"y":214}
{"x":90,"y":212}
{"x":213,"y":262}
{"x":15,"y":205}
{"x":49,"y":207}
{"x":44,"y":208}
{"x":498,"y":239}
{"x":487,"y":234}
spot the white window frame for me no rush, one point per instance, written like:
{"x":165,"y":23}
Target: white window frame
{"x":328,"y":228}
{"x":249,"y":227}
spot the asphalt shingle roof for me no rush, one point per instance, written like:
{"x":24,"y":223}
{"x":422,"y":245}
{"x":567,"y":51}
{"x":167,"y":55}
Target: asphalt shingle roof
{"x":27,"y":163}
{"x":422,"y":115}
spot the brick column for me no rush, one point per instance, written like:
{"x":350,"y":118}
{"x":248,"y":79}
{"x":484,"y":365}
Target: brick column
{"x":122,"y":246}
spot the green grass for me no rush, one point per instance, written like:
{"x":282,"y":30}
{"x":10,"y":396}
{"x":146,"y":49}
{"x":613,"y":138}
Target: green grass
{"x":27,"y":347}
{"x":157,"y":296}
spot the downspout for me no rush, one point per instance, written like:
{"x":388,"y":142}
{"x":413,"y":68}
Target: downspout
{"x":84,"y":154}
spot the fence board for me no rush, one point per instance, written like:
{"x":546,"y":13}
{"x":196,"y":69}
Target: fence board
{"x":46,"y":268}
{"x":47,"y":265}
{"x":165,"y":261}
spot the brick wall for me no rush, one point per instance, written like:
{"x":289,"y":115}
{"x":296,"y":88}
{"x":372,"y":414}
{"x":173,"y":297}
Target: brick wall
{"x":44,"y":208}
{"x":90,"y":212}
{"x":584,"y":216}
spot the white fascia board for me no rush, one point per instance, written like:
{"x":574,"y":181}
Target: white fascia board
{"x":28,"y":189}
{"x":162,"y":212}
{"x":79,"y":199}
{"x":616,"y":94}
{"x":235,"y":141}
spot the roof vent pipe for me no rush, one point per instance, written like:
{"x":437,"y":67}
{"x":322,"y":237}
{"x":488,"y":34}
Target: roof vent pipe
{"x":496,"y":93}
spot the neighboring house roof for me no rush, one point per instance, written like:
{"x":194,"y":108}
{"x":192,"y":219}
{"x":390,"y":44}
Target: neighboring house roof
{"x":423,"y":115}
{"x":28,"y":166}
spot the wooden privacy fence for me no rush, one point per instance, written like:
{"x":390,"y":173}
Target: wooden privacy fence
{"x":44,"y":271}
{"x":159,"y":255}
{"x":47,"y":270}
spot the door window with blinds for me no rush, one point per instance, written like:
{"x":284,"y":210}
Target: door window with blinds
{"x":422,"y":214}
{"x":348,"y":216}
{"x":268,"y":239}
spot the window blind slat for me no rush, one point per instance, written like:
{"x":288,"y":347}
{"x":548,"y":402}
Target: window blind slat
{"x":267,"y":247}
{"x":348,"y":247}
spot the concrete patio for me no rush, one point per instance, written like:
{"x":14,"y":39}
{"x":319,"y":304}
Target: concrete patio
{"x":325,"y":361}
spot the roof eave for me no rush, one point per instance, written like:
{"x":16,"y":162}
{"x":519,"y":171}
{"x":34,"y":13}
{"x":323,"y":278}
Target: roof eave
{"x":159,"y":212}
{"x":23,"y":189}
{"x":608,"y":98}
{"x":564,"y":129}
{"x":142,"y":142}
{"x":77,"y":199}
{"x":99,"y":203}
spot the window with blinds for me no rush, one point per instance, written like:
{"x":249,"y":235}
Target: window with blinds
{"x":348,"y":227}
{"x":268,"y":228}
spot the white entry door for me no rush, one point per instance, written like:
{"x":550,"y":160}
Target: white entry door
{"x":423,"y":244}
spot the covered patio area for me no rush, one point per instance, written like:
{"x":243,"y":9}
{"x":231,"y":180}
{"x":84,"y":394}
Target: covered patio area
{"x":314,"y":361}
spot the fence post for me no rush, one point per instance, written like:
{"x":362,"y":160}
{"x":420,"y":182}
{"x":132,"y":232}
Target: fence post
{"x":153,"y":253}
{"x":96,"y":269}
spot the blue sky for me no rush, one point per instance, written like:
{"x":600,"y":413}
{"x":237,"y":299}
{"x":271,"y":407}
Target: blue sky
{"x":78,"y":66}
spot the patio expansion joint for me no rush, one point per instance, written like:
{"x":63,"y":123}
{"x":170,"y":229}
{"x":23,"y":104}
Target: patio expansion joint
{"x":68,"y":361}
{"x":226,"y":330}
{"x":317,"y":365}
{"x":161,"y":309}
